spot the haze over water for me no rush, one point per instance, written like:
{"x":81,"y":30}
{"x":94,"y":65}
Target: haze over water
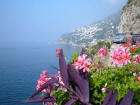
{"x":21,"y":67}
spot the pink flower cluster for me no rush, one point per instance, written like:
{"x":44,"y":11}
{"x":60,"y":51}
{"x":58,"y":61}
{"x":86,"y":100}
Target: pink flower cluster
{"x":58,"y":52}
{"x":102,"y":52}
{"x":61,"y":82}
{"x":137,"y":76}
{"x":43,"y":79}
{"x":48,"y":103}
{"x":82,"y":63}
{"x":120,"y":56}
{"x":136,"y":59}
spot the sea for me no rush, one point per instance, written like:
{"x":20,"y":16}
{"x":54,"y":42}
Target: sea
{"x":20,"y":67}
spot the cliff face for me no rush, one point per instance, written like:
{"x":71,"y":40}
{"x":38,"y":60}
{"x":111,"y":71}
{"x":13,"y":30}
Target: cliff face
{"x":130,"y":18}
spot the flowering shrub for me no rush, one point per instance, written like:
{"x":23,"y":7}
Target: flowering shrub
{"x":126,"y":45}
{"x":94,"y":49}
{"x":81,"y":63}
{"x":121,"y":79}
{"x":136,"y":58}
{"x":102,"y":52}
{"x":120,"y":56}
{"x":81,"y":83}
{"x":43,"y":79}
{"x":133,"y":48}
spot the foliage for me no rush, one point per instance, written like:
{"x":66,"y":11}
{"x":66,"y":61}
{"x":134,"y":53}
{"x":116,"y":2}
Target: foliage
{"x":121,"y":79}
{"x":129,"y":1}
{"x":137,"y":51}
{"x":62,"y":97}
{"x":97,"y":85}
{"x":74,"y":56}
{"x":138,"y":16}
{"x":94,"y":49}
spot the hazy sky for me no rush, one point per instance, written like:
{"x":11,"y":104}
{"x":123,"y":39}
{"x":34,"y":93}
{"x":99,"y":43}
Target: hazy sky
{"x":35,"y":21}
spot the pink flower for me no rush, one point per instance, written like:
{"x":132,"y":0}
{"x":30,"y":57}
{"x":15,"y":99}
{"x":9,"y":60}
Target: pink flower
{"x":58,"y":52}
{"x":45,"y":73}
{"x":82,"y":63}
{"x":139,"y":79}
{"x":48,"y":103}
{"x":136,"y":58}
{"x":102,"y":52}
{"x":120,"y":56}
{"x":43,"y":79}
{"x":134,"y":74}
{"x":61,"y":82}
{"x":105,"y":88}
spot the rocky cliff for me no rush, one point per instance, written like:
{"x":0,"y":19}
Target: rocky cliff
{"x":130,"y":18}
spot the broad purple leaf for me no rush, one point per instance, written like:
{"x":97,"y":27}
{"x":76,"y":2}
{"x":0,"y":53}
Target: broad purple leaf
{"x":113,"y":99}
{"x":77,"y":90}
{"x":49,"y":82}
{"x":127,"y":100}
{"x":74,"y":97}
{"x":83,"y":74}
{"x":52,"y":76}
{"x":70,"y":102}
{"x":80,"y":82}
{"x":106,"y":100}
{"x":63,"y":68}
{"x":39,"y":99}
{"x":55,"y":68}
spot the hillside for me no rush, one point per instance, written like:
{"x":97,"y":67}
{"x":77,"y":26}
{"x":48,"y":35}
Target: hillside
{"x":130,"y":18}
{"x":90,"y":34}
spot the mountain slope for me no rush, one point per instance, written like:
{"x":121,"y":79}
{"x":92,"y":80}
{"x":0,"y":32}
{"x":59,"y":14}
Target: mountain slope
{"x":90,"y":34}
{"x":130,"y":18}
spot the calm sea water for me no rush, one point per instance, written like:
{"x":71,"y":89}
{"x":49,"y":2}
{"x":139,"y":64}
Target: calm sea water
{"x":21,"y":67}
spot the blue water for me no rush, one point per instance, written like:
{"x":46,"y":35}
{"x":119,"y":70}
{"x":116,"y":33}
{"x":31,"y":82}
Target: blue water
{"x":20,"y":67}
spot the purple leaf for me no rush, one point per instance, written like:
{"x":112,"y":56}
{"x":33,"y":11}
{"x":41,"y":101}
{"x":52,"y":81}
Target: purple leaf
{"x":77,"y":90}
{"x":39,"y":99}
{"x":52,"y":76}
{"x":127,"y":100}
{"x":83,"y":74}
{"x":70,"y":102}
{"x":74,"y":97}
{"x":113,"y":99}
{"x":49,"y":82}
{"x":63,"y":68}
{"x":106,"y":100}
{"x":80,"y":83}
{"x":55,"y":68}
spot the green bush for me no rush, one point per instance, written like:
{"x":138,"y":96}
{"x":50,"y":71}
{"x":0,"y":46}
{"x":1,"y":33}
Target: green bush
{"x":120,"y":78}
{"x":129,"y":1}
